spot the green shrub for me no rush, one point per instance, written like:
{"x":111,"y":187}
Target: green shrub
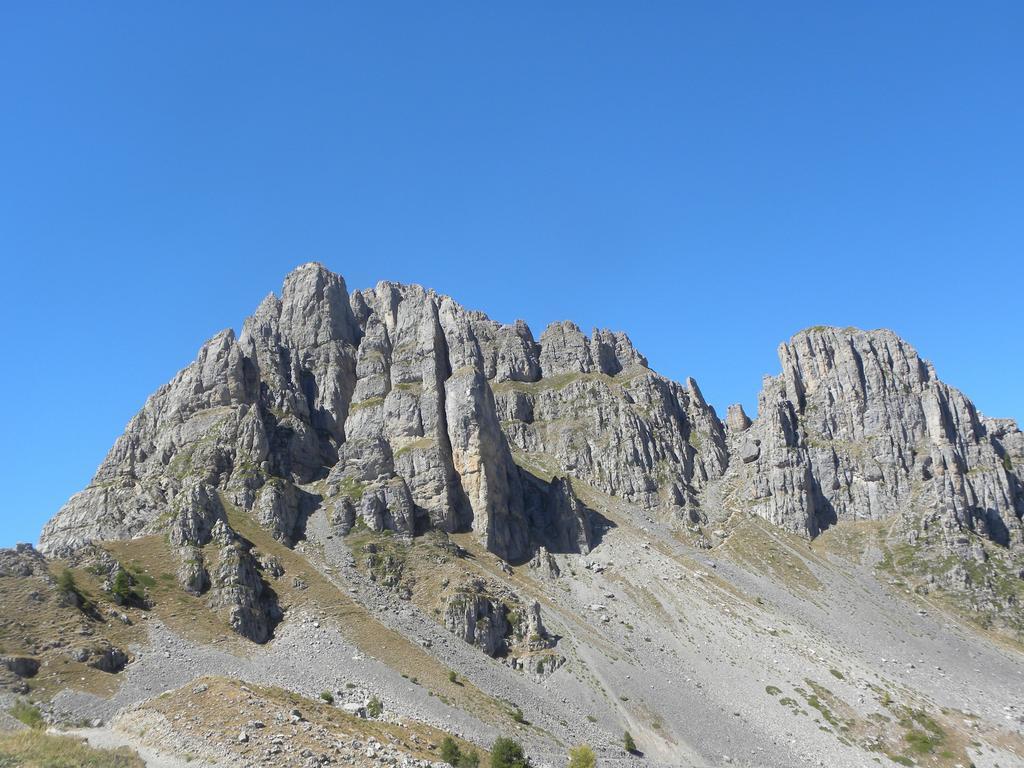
{"x":470,"y":760}
{"x":123,"y":589}
{"x":452,"y":677}
{"x":450,"y":752}
{"x":507,"y":753}
{"x":582,"y":757}
{"x":627,"y":742}
{"x":327,"y":696}
{"x":66,"y":581}
{"x":374,"y":708}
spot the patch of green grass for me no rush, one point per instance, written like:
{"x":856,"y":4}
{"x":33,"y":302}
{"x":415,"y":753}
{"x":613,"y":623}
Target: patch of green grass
{"x":837,"y":674}
{"x":818,"y":698}
{"x":353,"y":488}
{"x":415,"y":445}
{"x":923,"y":735}
{"x":772,"y":690}
{"x":370,"y":403}
{"x":27,"y":714}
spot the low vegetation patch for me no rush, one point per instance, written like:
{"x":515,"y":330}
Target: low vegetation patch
{"x":35,"y":749}
{"x":27,"y":714}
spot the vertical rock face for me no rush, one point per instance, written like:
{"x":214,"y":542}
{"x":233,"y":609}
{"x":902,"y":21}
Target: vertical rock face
{"x":237,"y":586}
{"x":632,"y":434}
{"x":859,"y":427}
{"x":483,"y":462}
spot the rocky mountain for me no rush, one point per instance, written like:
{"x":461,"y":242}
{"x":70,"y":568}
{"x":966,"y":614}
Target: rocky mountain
{"x":437,"y":476}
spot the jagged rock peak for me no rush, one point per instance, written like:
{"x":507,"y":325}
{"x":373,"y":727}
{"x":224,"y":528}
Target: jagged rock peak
{"x":858,"y":426}
{"x":564,"y":349}
{"x":858,"y":359}
{"x":736,"y":418}
{"x":315,"y":307}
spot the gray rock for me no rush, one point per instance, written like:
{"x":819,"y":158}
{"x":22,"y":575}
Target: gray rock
{"x":22,"y":666}
{"x":736,"y":419}
{"x":858,"y":426}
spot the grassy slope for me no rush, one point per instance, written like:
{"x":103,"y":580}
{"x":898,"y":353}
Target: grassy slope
{"x":35,"y":749}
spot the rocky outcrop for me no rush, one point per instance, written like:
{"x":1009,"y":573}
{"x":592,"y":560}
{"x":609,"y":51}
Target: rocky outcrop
{"x":237,"y":587}
{"x":479,"y":621}
{"x":494,"y":619}
{"x":100,"y":655}
{"x":21,"y":666}
{"x":859,"y":427}
{"x":22,"y":561}
{"x":635,"y":435}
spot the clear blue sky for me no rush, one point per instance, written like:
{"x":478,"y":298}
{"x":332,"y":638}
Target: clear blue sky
{"x":710,"y":177}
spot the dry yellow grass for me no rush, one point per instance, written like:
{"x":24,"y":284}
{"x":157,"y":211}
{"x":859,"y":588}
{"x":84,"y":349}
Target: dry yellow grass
{"x":187,"y":615}
{"x":783,"y":556}
{"x":849,"y":539}
{"x":35,"y":749}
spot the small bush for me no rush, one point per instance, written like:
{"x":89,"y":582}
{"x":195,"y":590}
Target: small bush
{"x":507,"y":753}
{"x":627,"y":742}
{"x":66,"y":581}
{"x":374,"y":708}
{"x":327,"y":696}
{"x":450,"y":752}
{"x":469,"y":760}
{"x":452,"y":677}
{"x":837,"y":674}
{"x":124,"y":589}
{"x":517,"y":715}
{"x":582,"y":757}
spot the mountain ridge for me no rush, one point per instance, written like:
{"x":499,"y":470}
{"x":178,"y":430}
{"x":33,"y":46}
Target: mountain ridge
{"x":564,"y":350}
{"x":398,"y":484}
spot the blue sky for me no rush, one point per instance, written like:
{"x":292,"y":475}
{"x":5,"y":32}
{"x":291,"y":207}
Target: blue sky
{"x":710,"y":177}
